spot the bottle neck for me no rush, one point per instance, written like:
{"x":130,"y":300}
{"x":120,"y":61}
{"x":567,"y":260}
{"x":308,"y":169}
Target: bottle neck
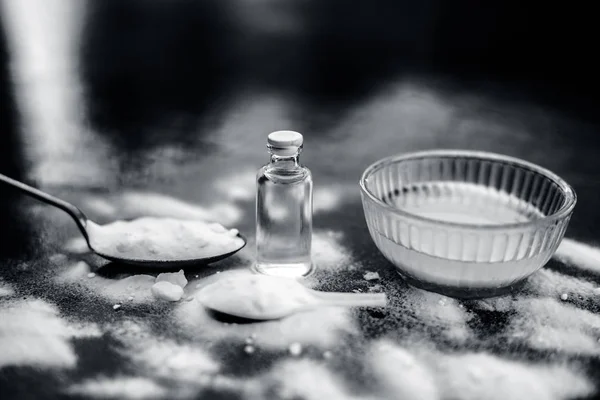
{"x":285,"y":161}
{"x":291,"y":161}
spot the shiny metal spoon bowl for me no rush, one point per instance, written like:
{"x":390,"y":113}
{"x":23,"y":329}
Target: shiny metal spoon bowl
{"x":83,"y":224}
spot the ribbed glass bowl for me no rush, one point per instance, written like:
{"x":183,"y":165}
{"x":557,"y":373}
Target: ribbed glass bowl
{"x":464,"y":223}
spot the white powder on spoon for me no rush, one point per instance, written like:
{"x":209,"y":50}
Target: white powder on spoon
{"x":320,"y":327}
{"x":255,"y":296}
{"x":163,"y":239}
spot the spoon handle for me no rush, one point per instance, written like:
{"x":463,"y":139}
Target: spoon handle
{"x":74,"y":212}
{"x":352,"y":299}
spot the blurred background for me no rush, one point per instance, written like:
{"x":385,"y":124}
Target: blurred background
{"x":170,"y":95}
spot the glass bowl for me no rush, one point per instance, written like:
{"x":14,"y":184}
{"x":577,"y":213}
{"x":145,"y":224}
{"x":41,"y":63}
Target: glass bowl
{"x":465,"y":223}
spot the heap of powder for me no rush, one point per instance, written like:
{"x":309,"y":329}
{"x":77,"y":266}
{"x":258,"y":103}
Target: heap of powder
{"x":327,"y":252}
{"x":163,"y":239}
{"x":476,"y":376}
{"x":425,"y":374}
{"x":160,"y":357}
{"x":169,"y":286}
{"x":43,"y":338}
{"x":548,"y":283}
{"x":74,"y":272}
{"x":302,"y":379}
{"x":579,"y":254}
{"x":254,"y":296}
{"x":6,"y":289}
{"x":433,"y":310}
{"x":551,"y":324}
{"x":400,"y":374}
{"x":119,"y":388}
{"x":333,"y":322}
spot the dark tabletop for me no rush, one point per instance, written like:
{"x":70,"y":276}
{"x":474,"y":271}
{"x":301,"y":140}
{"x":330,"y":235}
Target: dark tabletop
{"x":162,"y":108}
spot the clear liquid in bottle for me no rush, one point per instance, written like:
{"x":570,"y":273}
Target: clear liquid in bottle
{"x":284,"y":210}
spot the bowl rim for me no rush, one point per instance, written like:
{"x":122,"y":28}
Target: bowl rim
{"x":564,"y":211}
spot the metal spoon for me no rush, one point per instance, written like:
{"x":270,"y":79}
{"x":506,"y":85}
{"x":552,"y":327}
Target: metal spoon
{"x":262,"y":297}
{"x":83,"y":223}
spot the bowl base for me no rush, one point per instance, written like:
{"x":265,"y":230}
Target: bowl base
{"x":462,"y":293}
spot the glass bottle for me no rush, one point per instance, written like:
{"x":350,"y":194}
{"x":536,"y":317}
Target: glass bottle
{"x":284,"y":209}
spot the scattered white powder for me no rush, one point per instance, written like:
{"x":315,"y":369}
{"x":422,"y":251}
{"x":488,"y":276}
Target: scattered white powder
{"x":119,"y":388}
{"x":333,"y":196}
{"x":579,"y":254}
{"x":551,"y":324}
{"x":76,"y":245}
{"x":241,"y":186}
{"x":564,"y":296}
{"x":295,"y":349}
{"x":249,"y":349}
{"x":165,"y":290}
{"x":548,"y":283}
{"x":302,"y":379}
{"x":116,"y":307}
{"x":371,"y":276}
{"x":332,"y":322}
{"x":137,"y":286}
{"x":255,"y":296}
{"x":327,"y":252}
{"x":99,"y":206}
{"x":162,"y":357}
{"x":6,"y":290}
{"x":163,"y":206}
{"x":436,"y":310}
{"x":326,"y":199}
{"x":59,"y":258}
{"x":378,"y":288}
{"x":74,"y":272}
{"x":484,"y":376}
{"x":83,"y":330}
{"x":399,"y":374}
{"x":176,"y":278}
{"x":32,"y":333}
{"x":165,"y":239}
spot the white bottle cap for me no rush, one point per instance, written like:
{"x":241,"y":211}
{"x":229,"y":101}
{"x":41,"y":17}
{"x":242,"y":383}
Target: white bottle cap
{"x":285,"y":143}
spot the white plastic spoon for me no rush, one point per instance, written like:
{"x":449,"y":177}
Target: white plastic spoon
{"x":262,"y":297}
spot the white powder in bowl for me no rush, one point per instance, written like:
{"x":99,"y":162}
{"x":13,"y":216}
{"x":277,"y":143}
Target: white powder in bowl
{"x":163,"y":239}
